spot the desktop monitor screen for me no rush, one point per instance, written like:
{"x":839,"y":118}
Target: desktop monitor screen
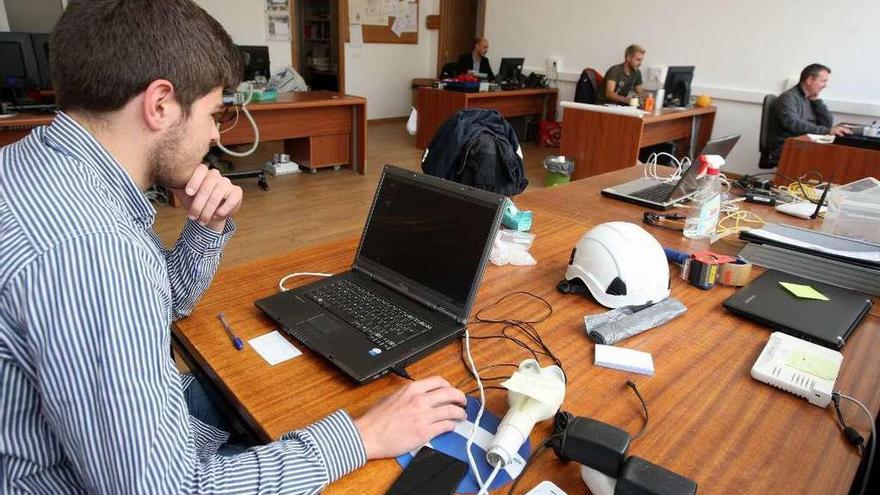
{"x":678,"y":86}
{"x":256,"y":61}
{"x":510,"y":69}
{"x":18,"y":65}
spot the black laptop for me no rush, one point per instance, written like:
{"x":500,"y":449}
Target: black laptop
{"x":650,"y":192}
{"x":828,"y":323}
{"x":413,"y":281}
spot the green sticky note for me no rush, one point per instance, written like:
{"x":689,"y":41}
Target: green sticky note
{"x":813,"y":364}
{"x":804,"y":291}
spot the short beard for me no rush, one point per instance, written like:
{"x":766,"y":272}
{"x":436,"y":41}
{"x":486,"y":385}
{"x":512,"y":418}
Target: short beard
{"x":166,"y":156}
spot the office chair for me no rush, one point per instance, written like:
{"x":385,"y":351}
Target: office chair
{"x":766,"y":161}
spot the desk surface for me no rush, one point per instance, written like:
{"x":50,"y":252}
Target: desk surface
{"x":672,"y":114}
{"x":709,"y":420}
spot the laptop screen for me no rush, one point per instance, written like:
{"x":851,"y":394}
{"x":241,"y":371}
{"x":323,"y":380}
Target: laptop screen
{"x":688,"y":182}
{"x":430,"y":235}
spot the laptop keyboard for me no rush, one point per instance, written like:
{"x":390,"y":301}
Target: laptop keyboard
{"x":382,"y":322}
{"x":657,"y":194}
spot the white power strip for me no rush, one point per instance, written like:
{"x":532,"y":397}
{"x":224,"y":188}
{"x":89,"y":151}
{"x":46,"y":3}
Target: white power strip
{"x":799,"y":367}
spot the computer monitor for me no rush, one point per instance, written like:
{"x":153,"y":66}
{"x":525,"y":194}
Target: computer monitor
{"x":41,"y":50}
{"x":18,"y":62}
{"x":256,"y":61}
{"x":678,"y":86}
{"x":510,"y":69}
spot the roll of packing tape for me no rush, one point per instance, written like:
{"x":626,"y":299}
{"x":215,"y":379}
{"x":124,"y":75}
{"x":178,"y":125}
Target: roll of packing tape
{"x":736,"y":274}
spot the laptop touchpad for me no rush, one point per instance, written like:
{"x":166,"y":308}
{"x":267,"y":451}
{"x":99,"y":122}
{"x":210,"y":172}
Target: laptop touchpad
{"x":322,"y":324}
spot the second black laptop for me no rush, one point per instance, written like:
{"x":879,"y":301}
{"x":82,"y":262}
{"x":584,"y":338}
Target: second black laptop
{"x":413,"y":281}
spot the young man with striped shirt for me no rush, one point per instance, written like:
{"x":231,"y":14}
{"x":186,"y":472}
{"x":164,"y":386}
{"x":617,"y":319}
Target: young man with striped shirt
{"x":91,"y":400}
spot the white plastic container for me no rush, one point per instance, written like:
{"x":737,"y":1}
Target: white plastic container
{"x":702,"y":219}
{"x":854,"y":210}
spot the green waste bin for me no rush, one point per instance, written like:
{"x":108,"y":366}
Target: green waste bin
{"x":559,"y":170}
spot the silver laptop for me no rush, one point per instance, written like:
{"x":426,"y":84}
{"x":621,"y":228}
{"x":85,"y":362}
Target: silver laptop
{"x":659,"y":195}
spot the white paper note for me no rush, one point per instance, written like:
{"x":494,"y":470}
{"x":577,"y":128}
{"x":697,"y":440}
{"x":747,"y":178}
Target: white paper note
{"x":274,"y":348}
{"x":621,"y":358}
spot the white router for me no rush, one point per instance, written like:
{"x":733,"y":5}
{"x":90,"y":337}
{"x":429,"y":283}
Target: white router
{"x":802,"y":368}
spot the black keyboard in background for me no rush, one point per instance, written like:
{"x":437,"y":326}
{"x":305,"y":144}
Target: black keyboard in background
{"x":658,"y":193}
{"x":383,"y":323}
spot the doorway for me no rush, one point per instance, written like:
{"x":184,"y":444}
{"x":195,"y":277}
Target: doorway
{"x":318,"y":46}
{"x":460,"y":22}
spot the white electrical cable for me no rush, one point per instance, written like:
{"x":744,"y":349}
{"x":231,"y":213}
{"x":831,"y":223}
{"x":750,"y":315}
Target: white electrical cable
{"x":490,"y":479}
{"x":470,"y":440}
{"x":281,"y":287}
{"x":253,"y":125}
{"x":873,"y":438}
{"x":680,"y":166}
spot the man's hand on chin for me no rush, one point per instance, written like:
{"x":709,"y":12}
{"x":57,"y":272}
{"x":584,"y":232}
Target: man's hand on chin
{"x":209,"y":198}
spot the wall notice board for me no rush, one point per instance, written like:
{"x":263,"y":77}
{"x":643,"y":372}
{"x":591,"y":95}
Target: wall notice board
{"x":382,"y":21}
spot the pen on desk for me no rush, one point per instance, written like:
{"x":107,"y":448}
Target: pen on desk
{"x":235,"y":340}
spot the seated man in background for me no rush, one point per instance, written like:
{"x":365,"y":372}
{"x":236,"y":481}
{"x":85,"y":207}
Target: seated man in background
{"x":799,"y":111}
{"x":477,"y":60}
{"x":622,"y":79}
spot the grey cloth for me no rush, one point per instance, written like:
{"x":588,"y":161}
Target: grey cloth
{"x":793,"y":114}
{"x":622,"y":323}
{"x":624,"y":83}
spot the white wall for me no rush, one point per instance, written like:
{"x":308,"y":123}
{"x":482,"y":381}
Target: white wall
{"x":741,"y":50}
{"x":245,"y":21}
{"x":4,"y":22}
{"x":383,"y":73}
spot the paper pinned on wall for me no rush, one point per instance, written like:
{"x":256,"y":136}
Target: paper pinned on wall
{"x":356,"y":35}
{"x":408,"y":21}
{"x":277,"y":20}
{"x":357,"y":11}
{"x":277,"y":26}
{"x":376,"y":12}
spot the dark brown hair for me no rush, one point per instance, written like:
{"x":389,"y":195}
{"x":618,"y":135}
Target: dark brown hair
{"x":102,"y":53}
{"x":813,"y":70}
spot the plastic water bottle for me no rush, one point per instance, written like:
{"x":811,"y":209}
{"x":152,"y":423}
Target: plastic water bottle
{"x":703,"y":217}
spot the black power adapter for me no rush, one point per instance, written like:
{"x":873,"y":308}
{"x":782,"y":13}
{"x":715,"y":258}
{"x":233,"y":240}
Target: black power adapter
{"x":592,"y":443}
{"x":640,"y":477}
{"x":604,"y":447}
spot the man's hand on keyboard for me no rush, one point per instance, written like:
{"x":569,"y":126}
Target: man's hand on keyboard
{"x":414,"y":414}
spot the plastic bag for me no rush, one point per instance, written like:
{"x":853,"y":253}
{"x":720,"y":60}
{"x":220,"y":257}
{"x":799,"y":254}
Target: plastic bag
{"x":514,"y":251}
{"x":286,"y":80}
{"x":413,"y":122}
{"x":559,"y":165}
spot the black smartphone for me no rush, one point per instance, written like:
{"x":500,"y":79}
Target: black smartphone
{"x":430,"y":473}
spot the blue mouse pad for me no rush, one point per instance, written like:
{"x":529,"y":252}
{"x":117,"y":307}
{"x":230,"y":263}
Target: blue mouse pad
{"x":453,"y":443}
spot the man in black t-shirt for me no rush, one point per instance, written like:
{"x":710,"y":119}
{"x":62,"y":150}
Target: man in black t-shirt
{"x":623,"y":79}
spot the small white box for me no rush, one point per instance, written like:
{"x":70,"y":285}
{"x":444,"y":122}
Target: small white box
{"x":621,"y":358}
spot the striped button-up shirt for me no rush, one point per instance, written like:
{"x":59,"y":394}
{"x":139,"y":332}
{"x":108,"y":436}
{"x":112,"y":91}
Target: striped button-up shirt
{"x":91,"y":399}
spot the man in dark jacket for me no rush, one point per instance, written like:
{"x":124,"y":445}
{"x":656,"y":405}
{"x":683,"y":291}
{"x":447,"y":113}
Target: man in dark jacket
{"x":477,"y":60}
{"x":799,"y":111}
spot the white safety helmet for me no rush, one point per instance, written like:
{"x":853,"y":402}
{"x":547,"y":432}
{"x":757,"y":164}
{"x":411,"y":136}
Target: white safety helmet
{"x":621,"y":264}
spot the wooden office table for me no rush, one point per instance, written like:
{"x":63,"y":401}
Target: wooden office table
{"x":319,"y":128}
{"x":18,"y":126}
{"x":709,"y":420}
{"x":435,"y":106}
{"x":800,"y":155}
{"x":601,"y":142}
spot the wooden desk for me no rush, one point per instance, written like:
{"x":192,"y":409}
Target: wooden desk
{"x":319,"y":128}
{"x":18,"y":126}
{"x":435,"y":106}
{"x":601,"y":142}
{"x":710,"y":420}
{"x":847,"y":163}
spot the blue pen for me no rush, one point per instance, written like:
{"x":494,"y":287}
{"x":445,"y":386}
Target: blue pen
{"x":235,"y":340}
